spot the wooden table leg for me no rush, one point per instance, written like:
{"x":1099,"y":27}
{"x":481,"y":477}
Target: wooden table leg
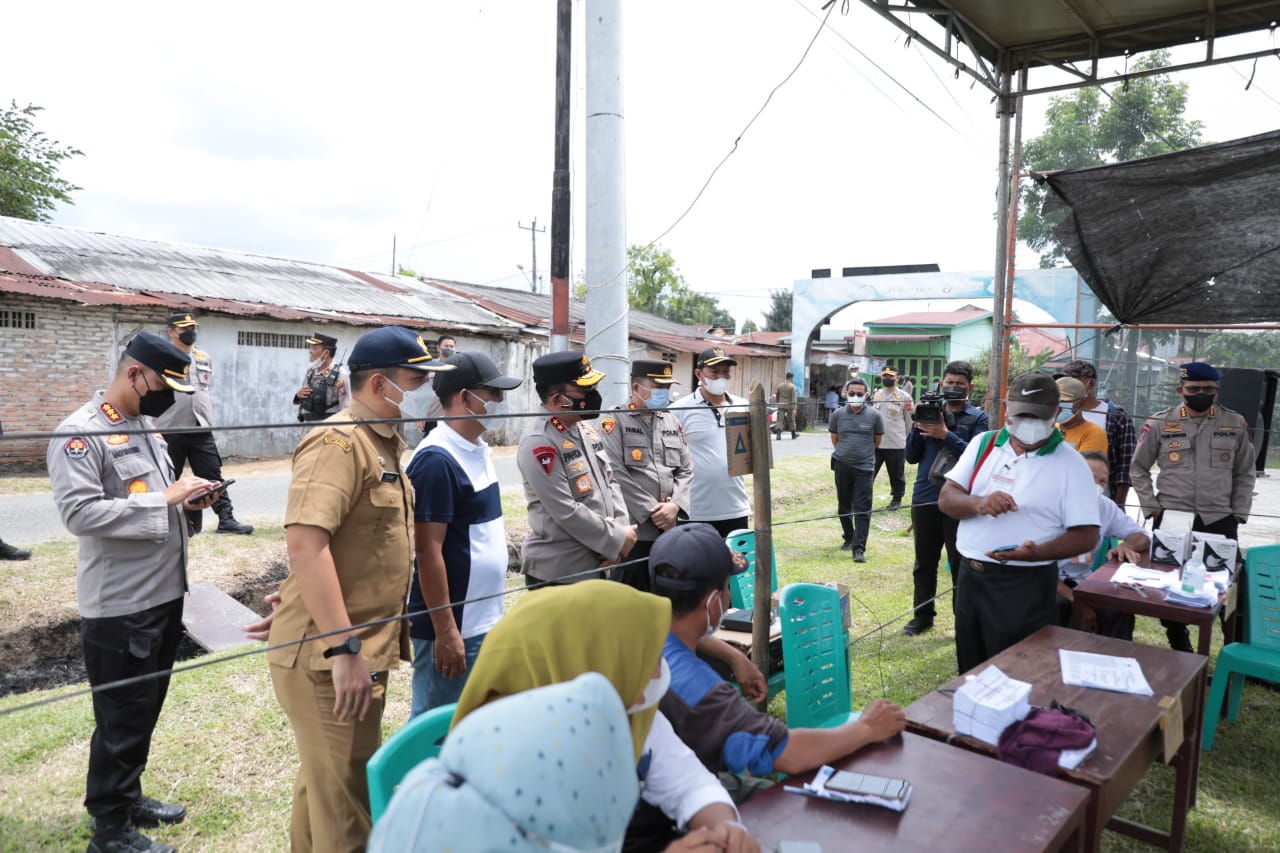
{"x":1202,"y":693}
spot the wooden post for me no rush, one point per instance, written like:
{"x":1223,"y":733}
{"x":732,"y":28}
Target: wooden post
{"x":761,"y":456}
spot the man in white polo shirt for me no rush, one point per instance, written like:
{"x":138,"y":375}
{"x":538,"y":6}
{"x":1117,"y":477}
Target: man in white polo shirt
{"x":460,"y":544}
{"x":716,"y":498}
{"x":1024,"y":499}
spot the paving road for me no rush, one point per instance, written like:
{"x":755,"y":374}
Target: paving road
{"x":261,"y":488}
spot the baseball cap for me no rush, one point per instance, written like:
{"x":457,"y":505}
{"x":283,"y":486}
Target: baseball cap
{"x":652,"y":368}
{"x":558,"y":368}
{"x":181,"y":320}
{"x":471,"y":370}
{"x":1034,"y":394}
{"x":391,"y":346}
{"x":714,"y":355}
{"x":693,"y":555}
{"x":1070,"y":390}
{"x":163,"y":357}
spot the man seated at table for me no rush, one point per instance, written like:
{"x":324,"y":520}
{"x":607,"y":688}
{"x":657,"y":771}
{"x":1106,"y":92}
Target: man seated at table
{"x":1133,"y":546}
{"x":691,"y":566}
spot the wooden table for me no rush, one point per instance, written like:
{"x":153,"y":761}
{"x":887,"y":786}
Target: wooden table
{"x":960,"y":801}
{"x":1098,"y":591}
{"x":1130,"y":738}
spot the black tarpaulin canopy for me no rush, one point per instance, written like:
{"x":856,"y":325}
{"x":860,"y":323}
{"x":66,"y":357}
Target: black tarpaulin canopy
{"x":1188,"y":238}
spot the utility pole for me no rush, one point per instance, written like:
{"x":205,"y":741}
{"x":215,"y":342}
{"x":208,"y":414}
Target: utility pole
{"x":393,"y":254}
{"x":533,"y":239}
{"x":560,"y":184}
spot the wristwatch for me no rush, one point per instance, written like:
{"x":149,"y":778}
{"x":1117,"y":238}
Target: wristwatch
{"x":351,"y":646}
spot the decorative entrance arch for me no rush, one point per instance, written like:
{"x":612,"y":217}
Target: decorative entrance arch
{"x":814,"y":300}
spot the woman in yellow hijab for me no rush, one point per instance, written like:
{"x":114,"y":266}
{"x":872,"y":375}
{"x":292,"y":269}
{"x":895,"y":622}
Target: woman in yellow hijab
{"x":557,"y":634}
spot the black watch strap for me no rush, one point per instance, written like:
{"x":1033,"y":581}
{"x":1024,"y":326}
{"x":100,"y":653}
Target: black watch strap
{"x":350,"y":646}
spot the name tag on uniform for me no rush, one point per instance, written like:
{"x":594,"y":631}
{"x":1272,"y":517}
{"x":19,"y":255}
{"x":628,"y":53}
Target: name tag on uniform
{"x":390,"y":477}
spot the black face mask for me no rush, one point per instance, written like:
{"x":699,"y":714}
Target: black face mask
{"x":154,"y":403}
{"x":593,"y":400}
{"x":889,"y":383}
{"x":1199,"y":402}
{"x":187,"y":336}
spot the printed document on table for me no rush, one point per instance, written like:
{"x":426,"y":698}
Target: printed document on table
{"x":1105,"y":672}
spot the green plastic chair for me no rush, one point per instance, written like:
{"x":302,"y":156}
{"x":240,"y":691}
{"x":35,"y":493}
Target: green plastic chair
{"x":1100,"y":556}
{"x":815,"y":650}
{"x":415,"y":742}
{"x":1260,"y":655}
{"x":742,"y":587}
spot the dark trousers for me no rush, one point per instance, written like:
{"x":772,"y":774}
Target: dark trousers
{"x":933,"y":530}
{"x":1179,"y":637}
{"x":199,"y":449}
{"x":1000,"y":605}
{"x":853,"y":502}
{"x":115,"y":648}
{"x":894,"y":460}
{"x":1110,"y":623}
{"x":724,"y":526}
{"x":636,"y":571}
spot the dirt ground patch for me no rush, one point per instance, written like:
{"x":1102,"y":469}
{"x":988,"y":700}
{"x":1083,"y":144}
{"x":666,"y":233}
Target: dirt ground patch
{"x":40,"y":642}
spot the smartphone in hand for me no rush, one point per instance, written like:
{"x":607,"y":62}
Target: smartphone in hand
{"x":197,"y":498}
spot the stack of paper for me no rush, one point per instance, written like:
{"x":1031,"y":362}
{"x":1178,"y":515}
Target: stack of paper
{"x":1105,"y":672}
{"x":985,"y":706}
{"x":1069,"y":759}
{"x":1206,"y":597}
{"x":1132,"y":573}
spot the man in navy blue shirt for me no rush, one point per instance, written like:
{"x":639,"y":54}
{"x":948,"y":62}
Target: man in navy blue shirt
{"x":460,"y":545}
{"x":948,"y":434}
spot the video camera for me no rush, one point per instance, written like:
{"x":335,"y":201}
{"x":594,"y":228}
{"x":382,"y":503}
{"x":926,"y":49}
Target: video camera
{"x":932,"y":405}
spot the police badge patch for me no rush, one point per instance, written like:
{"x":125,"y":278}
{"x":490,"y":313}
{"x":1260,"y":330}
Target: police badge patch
{"x":76,"y":448}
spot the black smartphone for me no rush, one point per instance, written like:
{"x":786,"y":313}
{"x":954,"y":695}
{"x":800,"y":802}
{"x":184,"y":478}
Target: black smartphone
{"x":202,"y":495}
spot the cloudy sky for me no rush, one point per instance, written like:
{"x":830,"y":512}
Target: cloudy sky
{"x":320,"y":130}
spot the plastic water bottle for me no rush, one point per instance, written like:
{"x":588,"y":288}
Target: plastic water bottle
{"x":1193,"y":576}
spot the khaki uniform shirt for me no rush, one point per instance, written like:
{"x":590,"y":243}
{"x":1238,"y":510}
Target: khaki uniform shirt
{"x":786,"y":395}
{"x":577,"y":515}
{"x":109,"y":490}
{"x":651,"y":463}
{"x":196,"y":409}
{"x":347,"y":479}
{"x":894,"y":406}
{"x":1206,"y":463}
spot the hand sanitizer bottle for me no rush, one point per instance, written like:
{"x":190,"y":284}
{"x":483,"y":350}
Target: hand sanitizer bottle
{"x":1193,"y":576}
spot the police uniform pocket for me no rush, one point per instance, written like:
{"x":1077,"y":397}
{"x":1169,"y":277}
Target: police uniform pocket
{"x":671,"y":456}
{"x":1222,"y":451}
{"x":389,"y":499}
{"x":136,"y":472}
{"x":635,"y":453}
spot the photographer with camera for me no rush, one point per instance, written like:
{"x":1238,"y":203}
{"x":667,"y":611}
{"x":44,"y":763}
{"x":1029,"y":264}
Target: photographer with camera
{"x":944,"y":424}
{"x":323,"y":391}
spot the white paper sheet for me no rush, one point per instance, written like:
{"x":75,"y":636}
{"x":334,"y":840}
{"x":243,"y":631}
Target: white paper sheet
{"x":1105,"y":672}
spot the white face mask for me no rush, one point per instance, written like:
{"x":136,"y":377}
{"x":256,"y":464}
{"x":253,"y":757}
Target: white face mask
{"x":856,"y":400}
{"x":416,"y":403}
{"x":654,"y":690}
{"x":315,"y":364}
{"x":492,"y":409}
{"x":712,"y":628}
{"x":1102,"y":490}
{"x":1030,"y":430}
{"x":716,"y":387}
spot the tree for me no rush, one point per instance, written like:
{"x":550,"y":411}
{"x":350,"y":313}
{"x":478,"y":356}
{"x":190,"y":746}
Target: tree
{"x":29,"y":160}
{"x":656,"y":286}
{"x":1020,"y":362}
{"x":748,"y":326}
{"x":778,"y":317}
{"x":1142,"y":118}
{"x":1243,"y":349}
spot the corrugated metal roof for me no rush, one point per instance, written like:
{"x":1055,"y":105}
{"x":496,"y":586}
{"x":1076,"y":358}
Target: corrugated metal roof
{"x":929,"y":318}
{"x":105,"y":268}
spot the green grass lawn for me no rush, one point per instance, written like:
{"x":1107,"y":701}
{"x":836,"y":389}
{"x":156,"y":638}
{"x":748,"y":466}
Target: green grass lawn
{"x":224,"y":748}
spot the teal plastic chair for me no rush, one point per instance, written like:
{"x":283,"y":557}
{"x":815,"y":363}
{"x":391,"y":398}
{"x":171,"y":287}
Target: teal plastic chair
{"x":742,"y":588}
{"x":415,"y":742}
{"x":815,"y":650}
{"x":1260,"y":655}
{"x":1100,"y":556}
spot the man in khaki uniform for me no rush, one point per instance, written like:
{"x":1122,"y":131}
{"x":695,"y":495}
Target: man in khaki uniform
{"x":787,"y":397}
{"x":651,"y":463}
{"x":894,"y":406}
{"x":1206,"y":465}
{"x":349,"y":532}
{"x":578,"y":517}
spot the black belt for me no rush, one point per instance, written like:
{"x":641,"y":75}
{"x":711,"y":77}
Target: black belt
{"x":991,"y":567}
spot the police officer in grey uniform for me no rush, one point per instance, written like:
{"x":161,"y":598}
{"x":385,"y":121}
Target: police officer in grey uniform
{"x":578,"y":518}
{"x":323,"y":390}
{"x":651,"y":463}
{"x":1206,"y":464}
{"x":116,"y":492}
{"x":196,"y":410}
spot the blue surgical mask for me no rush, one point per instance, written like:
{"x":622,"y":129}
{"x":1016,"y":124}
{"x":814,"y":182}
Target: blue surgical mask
{"x":1065,"y":413}
{"x":659,"y":398}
